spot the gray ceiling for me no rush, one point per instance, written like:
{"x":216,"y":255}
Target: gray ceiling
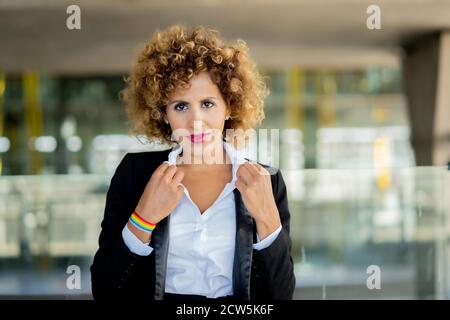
{"x":320,"y":33}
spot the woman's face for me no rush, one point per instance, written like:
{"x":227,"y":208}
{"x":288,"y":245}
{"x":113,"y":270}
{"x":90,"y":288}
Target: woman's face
{"x":197,"y":114}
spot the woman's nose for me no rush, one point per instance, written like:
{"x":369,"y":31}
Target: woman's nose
{"x":196,"y":119}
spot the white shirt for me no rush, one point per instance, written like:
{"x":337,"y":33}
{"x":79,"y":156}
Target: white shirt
{"x":201,"y":246}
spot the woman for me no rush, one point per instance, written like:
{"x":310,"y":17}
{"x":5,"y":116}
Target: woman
{"x":197,"y":221}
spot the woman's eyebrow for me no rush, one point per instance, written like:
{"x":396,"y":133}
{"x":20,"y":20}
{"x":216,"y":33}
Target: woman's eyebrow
{"x":181,"y":101}
{"x":213,"y":98}
{"x":177,"y":101}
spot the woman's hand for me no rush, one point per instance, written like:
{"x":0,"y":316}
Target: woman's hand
{"x":161,"y":194}
{"x":255,"y":186}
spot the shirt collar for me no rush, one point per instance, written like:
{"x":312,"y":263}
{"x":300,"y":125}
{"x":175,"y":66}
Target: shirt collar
{"x":237,"y":157}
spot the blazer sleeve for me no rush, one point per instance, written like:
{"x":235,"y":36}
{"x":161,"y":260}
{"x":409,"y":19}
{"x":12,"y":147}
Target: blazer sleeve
{"x":114,"y":262}
{"x":274,"y":265}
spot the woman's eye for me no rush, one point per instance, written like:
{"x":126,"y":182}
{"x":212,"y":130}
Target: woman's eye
{"x":208,"y":104}
{"x":180,"y":107}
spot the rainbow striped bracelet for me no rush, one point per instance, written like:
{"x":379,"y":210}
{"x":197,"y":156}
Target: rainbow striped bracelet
{"x":141,"y":223}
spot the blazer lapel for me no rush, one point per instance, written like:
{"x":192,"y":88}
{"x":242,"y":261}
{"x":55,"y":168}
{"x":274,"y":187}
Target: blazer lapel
{"x":243,"y":250}
{"x":160,"y":238}
{"x":161,"y":246}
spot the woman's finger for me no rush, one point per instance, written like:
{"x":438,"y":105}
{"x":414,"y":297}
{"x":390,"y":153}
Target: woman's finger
{"x":245,"y":174}
{"x":161,"y":169}
{"x":240,"y":184}
{"x":249,"y":167}
{"x":253,"y":169}
{"x":178,"y":177}
{"x":258,"y":169}
{"x":180,"y":191}
{"x":169,"y":173}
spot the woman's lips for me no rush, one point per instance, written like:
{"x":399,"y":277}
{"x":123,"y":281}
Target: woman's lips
{"x":198,"y":138}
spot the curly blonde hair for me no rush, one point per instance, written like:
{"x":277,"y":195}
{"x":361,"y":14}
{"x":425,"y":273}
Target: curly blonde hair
{"x":171,"y":58}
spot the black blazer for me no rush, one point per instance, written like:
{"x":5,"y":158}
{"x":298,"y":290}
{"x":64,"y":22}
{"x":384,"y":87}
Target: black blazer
{"x":117,"y":272}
